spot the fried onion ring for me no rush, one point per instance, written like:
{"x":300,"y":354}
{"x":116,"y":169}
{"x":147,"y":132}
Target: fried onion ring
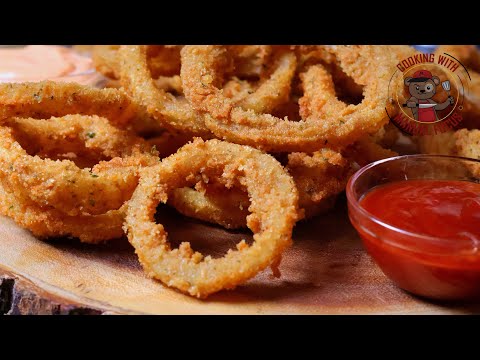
{"x":62,"y":184}
{"x":170,"y":112}
{"x":45,"y":222}
{"x":319,"y":178}
{"x":202,"y":71}
{"x":467,"y":143}
{"x":462,"y":142}
{"x":47,"y":99}
{"x":275,"y":90}
{"x":163,"y":60}
{"x":274,"y":211}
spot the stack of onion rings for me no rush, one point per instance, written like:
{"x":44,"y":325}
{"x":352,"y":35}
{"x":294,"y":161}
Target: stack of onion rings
{"x":48,"y":178}
{"x":202,"y":74}
{"x":175,"y":113}
{"x":80,"y":161}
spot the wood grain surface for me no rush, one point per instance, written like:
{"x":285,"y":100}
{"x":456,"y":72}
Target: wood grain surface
{"x":326,"y":271}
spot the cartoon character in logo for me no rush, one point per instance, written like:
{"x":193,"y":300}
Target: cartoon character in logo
{"x":423,"y":86}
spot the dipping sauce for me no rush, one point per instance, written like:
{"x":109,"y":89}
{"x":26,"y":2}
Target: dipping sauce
{"x":45,"y":62}
{"x":436,"y":252}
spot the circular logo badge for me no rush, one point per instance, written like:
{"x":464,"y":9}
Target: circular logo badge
{"x":427,"y":93}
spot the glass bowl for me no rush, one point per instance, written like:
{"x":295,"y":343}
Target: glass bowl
{"x":437,"y":268}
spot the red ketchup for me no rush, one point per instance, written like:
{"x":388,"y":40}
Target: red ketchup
{"x":435,"y":249}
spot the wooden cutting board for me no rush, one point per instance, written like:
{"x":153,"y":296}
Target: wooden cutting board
{"x":326,"y":271}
